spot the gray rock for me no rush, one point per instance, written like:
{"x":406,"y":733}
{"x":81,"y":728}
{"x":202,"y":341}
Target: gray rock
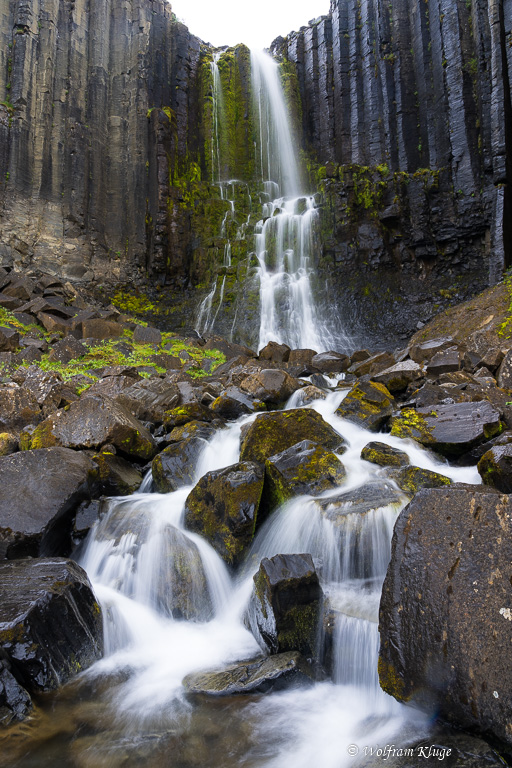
{"x":399,"y":376}
{"x":176,"y":466}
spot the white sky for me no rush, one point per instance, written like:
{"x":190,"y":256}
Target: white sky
{"x":253,"y":22}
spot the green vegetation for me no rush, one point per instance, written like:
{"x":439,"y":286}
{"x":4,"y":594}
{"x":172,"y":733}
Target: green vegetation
{"x":505,"y":329}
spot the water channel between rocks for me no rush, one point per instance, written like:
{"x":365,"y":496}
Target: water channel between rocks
{"x":131,"y":709}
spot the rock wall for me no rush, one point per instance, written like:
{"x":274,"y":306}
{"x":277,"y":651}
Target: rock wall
{"x":85,"y":147}
{"x":397,"y":92}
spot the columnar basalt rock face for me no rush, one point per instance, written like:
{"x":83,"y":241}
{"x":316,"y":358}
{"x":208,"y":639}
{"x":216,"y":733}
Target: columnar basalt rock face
{"x":85,"y":147}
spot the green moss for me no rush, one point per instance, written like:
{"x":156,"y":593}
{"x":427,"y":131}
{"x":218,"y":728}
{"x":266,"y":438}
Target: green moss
{"x":391,"y":682}
{"x":411,"y":424}
{"x":299,"y":629}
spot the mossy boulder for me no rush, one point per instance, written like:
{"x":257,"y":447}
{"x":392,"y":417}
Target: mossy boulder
{"x":175,"y":467}
{"x":116,"y":475}
{"x":284,"y":610}
{"x":304,"y":468}
{"x":271,"y":386}
{"x":50,"y":622}
{"x":149,"y":399}
{"x":177,"y":417}
{"x":192,"y":429}
{"x":223,"y":507}
{"x":260,"y":675}
{"x":18,"y":408}
{"x":8,"y":443}
{"x":495,"y":468}
{"x":384,"y":455}
{"x":92,"y":422}
{"x":411,"y":479}
{"x":272,"y":433}
{"x":449,"y":429}
{"x":368,"y":404}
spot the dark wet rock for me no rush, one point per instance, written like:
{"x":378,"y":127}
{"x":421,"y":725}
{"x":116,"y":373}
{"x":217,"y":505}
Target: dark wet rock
{"x":284,"y":609}
{"x":50,"y":621}
{"x":318,"y":380}
{"x":505,"y":372}
{"x":384,"y":455}
{"x":46,"y":386}
{"x":97,"y":328}
{"x":271,"y":386}
{"x":411,"y":479}
{"x":8,"y":443}
{"x":149,"y":399}
{"x":229,"y":408}
{"x":359,"y":356}
{"x":66,"y":350}
{"x":490,"y":358}
{"x":18,"y":408}
{"x":260,"y":675}
{"x":116,"y":476}
{"x":425,"y":351}
{"x":473,"y":456}
{"x":147,"y":335}
{"x":90,"y":423}
{"x":112,"y":387}
{"x":229,"y":348}
{"x":15,"y":702}
{"x":303,"y":469}
{"x":432,"y":395}
{"x":9,"y":340}
{"x":181,"y":586}
{"x":193,"y":411}
{"x":445,"y":611}
{"x":39,"y":493}
{"x":495,"y":468}
{"x":449,"y":429}
{"x":277,"y":353}
{"x":399,"y":376}
{"x":309,"y":395}
{"x":272,"y":433}
{"x":445,"y":361}
{"x":330,"y":362}
{"x":192,"y":429}
{"x":175,"y":467}
{"x":369,"y":497}
{"x":368,"y":405}
{"x":87,"y":514}
{"x":223,"y":507}
{"x":372,"y":365}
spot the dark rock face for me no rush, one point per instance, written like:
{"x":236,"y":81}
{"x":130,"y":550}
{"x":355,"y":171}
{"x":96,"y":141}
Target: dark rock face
{"x":175,"y":467}
{"x":15,"y":703}
{"x":50,"y":622}
{"x":495,"y":468}
{"x":223,"y":507}
{"x":39,"y":492}
{"x":261,"y":675}
{"x":285,"y":604}
{"x":445,"y":610}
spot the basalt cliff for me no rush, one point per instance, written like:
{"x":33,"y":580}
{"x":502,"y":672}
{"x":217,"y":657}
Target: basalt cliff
{"x":403,"y":111}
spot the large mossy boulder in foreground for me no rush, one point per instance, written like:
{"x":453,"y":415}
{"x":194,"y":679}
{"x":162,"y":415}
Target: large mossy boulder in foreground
{"x":272,"y":433}
{"x":39,"y":493}
{"x":223,"y":507}
{"x":368,"y":405}
{"x":92,"y":422}
{"x":449,"y":429}
{"x":284,"y":610}
{"x":50,"y":622}
{"x":446,"y":609}
{"x":305,"y":468}
{"x":260,"y":675}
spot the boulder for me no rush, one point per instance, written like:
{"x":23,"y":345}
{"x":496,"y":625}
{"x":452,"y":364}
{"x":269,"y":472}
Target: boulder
{"x":285,"y":604}
{"x":272,"y":433}
{"x":271,"y":386}
{"x":149,"y":399}
{"x":116,"y":476}
{"x":193,"y":411}
{"x":18,"y":408}
{"x":303,"y":469}
{"x":192,"y":429}
{"x":505,"y":372}
{"x":97,"y":328}
{"x":445,"y":613}
{"x":277,"y":353}
{"x":147,"y":335}
{"x":495,"y":468}
{"x":384,"y":455}
{"x":223,"y":507}
{"x":9,"y":340}
{"x":309,"y":395}
{"x":8,"y":443}
{"x":46,"y":386}
{"x":425,"y":351}
{"x":50,"y":621}
{"x":301,"y":356}
{"x":229,"y":408}
{"x":445,"y":361}
{"x":260,"y":675}
{"x":15,"y":702}
{"x":399,"y":376}
{"x":39,"y":492}
{"x":181,"y":588}
{"x":176,"y":466}
{"x":330,"y":362}
{"x":373,"y":364}
{"x":368,"y":405}
{"x":90,"y":423}
{"x":66,"y":350}
{"x":449,"y":429}
{"x":411,"y":479}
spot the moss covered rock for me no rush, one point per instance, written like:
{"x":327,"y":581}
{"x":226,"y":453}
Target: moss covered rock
{"x":117,"y":476}
{"x":175,"y":467}
{"x":495,"y":468}
{"x":272,"y":433}
{"x":411,"y":479}
{"x":192,"y":429}
{"x":271,"y":386}
{"x":92,"y":422}
{"x":368,"y":404}
{"x":177,"y":417}
{"x":223,"y":507}
{"x":449,"y":429}
{"x":285,"y":605}
{"x":384,"y":455}
{"x":8,"y":443}
{"x":305,"y":468}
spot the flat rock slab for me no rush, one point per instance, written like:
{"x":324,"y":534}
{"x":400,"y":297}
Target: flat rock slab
{"x":446,"y":609}
{"x":259,"y":675}
{"x":449,"y":429}
{"x":50,"y":621}
{"x":39,"y":493}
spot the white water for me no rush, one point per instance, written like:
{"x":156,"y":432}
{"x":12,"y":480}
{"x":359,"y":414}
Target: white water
{"x":128,"y":558}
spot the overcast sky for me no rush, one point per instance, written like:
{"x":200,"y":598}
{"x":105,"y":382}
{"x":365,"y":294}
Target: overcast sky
{"x":253,"y":22}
